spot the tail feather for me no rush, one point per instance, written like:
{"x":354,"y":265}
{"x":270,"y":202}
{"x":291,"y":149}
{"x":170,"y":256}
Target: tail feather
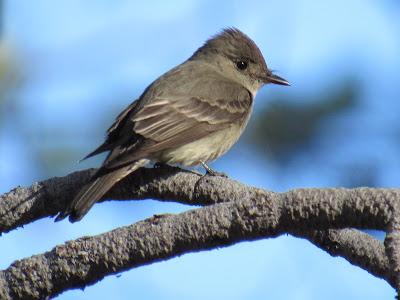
{"x":90,"y":194}
{"x":94,"y":190}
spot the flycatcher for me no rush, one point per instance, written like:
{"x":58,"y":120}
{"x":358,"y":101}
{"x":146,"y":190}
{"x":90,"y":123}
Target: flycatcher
{"x":189,"y":116}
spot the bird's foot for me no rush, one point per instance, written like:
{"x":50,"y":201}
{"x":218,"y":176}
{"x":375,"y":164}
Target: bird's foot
{"x":211,"y":172}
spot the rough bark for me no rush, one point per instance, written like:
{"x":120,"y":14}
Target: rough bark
{"x":233,"y":212}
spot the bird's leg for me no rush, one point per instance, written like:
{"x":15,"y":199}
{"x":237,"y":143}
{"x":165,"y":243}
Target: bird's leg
{"x":211,"y":172}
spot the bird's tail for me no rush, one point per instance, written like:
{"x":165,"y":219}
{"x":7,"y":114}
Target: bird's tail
{"x":94,"y":190}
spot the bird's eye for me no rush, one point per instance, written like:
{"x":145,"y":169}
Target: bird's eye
{"x":241,"y":65}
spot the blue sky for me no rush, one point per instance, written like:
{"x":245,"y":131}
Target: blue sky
{"x":78,"y":64}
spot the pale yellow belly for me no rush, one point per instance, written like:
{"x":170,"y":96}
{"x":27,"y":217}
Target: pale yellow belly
{"x":206,"y":149}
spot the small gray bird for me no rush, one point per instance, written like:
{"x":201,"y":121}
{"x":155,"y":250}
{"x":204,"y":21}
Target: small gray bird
{"x":189,"y":116}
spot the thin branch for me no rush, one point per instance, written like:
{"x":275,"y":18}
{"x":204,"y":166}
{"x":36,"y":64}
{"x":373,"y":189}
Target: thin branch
{"x":358,"y":248}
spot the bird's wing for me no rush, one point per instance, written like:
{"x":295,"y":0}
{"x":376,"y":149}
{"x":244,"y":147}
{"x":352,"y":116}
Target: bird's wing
{"x":174,"y":121}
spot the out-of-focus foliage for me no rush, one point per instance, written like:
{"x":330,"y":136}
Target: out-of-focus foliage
{"x":286,"y":127}
{"x":10,"y":77}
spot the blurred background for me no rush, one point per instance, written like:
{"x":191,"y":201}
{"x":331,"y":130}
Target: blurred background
{"x":67,"y":68}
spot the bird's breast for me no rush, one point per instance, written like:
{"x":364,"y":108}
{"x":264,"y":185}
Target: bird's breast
{"x":207,"y":149}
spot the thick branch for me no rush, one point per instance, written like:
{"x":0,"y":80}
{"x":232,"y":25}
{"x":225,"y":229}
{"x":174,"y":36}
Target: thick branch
{"x":245,"y":213}
{"x":85,"y":261}
{"x":43,"y":199}
{"x":46,"y":198}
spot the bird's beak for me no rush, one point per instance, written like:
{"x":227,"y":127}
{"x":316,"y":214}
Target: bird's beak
{"x":272,"y":78}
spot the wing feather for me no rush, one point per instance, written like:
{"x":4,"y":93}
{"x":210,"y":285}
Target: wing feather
{"x":190,"y":118}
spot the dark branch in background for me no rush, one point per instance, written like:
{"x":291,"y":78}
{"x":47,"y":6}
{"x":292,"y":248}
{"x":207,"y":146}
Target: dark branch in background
{"x":243,"y":213}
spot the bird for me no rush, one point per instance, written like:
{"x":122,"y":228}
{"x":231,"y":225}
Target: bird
{"x":189,"y":116}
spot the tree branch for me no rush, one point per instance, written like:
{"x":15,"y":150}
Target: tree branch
{"x":242,"y":213}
